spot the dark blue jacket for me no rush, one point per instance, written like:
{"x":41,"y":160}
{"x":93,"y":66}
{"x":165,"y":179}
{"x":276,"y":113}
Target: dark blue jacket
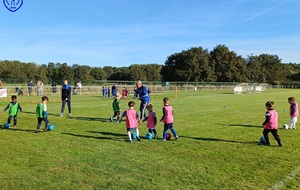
{"x":143,"y":94}
{"x":66,"y":92}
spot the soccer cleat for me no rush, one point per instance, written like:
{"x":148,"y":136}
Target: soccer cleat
{"x":61,"y":115}
{"x":138,"y":138}
{"x":69,"y":114}
{"x":37,"y":131}
{"x":111,"y":119}
{"x":176,"y":137}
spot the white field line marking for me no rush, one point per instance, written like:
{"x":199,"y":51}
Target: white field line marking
{"x":289,"y":177}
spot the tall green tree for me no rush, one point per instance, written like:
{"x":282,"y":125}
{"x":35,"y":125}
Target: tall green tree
{"x":256,"y":71}
{"x":122,"y":73}
{"x":53,"y":72}
{"x":153,"y":72}
{"x":137,"y":72}
{"x":82,"y":73}
{"x":228,"y":67}
{"x":108,"y":70}
{"x":267,"y":68}
{"x":97,"y":73}
{"x":30,"y":69}
{"x":41,"y":73}
{"x":191,"y":65}
{"x":66,"y":73}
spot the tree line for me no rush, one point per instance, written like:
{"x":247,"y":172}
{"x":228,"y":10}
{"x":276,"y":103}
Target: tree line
{"x":193,"y":65}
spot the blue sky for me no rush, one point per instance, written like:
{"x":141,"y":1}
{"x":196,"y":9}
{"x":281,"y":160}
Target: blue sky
{"x":123,"y":32}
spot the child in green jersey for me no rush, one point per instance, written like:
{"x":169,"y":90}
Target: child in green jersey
{"x":116,"y":108}
{"x":13,"y":109}
{"x":42,"y":114}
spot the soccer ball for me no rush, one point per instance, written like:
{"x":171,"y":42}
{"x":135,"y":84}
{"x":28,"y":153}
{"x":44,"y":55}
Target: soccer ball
{"x":6,"y":125}
{"x":262,"y":139}
{"x":149,"y":136}
{"x":168,"y":136}
{"x":285,"y":126}
{"x":51,"y":127}
{"x":134,"y":135}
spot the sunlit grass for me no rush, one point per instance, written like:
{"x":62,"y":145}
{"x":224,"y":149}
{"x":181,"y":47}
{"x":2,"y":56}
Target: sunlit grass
{"x":218,"y":145}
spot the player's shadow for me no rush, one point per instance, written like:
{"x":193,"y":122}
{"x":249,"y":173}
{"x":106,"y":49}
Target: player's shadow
{"x":243,"y":125}
{"x":25,"y":130}
{"x":34,"y":113}
{"x":90,"y":119}
{"x":109,"y":133}
{"x":17,"y":129}
{"x":221,"y":140}
{"x":87,"y":136}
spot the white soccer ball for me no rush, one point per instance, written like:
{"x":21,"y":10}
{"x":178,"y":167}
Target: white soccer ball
{"x":285,"y":126}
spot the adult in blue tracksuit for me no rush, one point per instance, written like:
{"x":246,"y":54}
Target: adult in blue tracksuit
{"x":66,"y":97}
{"x":144,"y":96}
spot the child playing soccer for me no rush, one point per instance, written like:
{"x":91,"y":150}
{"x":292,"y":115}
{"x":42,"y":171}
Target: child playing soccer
{"x":271,"y":124}
{"x":293,"y":112}
{"x":168,"y":118}
{"x":42,"y":114}
{"x":116,"y":108}
{"x":151,"y":120}
{"x":13,"y":109}
{"x":132,"y":120}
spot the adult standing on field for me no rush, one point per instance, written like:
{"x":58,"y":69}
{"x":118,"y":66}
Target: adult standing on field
{"x":143,"y":95}
{"x":66,"y":97}
{"x":30,"y":85}
{"x":114,"y":90}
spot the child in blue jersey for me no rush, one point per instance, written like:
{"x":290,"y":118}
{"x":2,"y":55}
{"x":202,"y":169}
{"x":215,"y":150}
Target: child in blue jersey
{"x":13,"y":109}
{"x":42,"y":114}
{"x":168,"y":118}
{"x":116,"y":108}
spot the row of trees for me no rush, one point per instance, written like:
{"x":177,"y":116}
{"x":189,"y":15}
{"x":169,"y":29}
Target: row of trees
{"x":192,"y":65}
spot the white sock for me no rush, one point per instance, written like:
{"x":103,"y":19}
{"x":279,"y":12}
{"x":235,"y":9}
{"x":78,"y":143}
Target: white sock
{"x":129,"y":135}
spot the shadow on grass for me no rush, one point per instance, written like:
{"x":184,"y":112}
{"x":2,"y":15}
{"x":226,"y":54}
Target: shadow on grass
{"x":34,"y":113}
{"x":90,"y":119}
{"x":109,"y":133}
{"x":244,"y":125}
{"x":222,"y":140}
{"x":87,"y":136}
{"x":18,"y":129}
{"x":78,"y":118}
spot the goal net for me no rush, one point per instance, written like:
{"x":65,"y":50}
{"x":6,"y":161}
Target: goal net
{"x":249,"y":88}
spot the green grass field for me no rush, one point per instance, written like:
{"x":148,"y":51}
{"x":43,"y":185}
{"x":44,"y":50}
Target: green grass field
{"x":218,"y":146}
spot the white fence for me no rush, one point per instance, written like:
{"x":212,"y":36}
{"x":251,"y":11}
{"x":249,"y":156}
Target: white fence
{"x":153,"y":88}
